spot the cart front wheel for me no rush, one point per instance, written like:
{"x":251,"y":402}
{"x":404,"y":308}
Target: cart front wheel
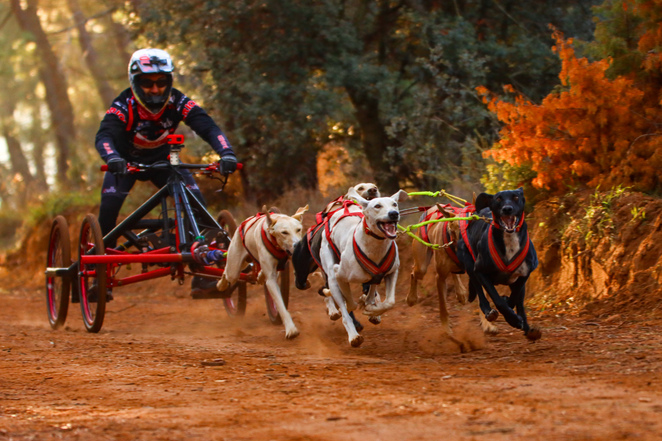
{"x":92,"y":281}
{"x":284,"y":284}
{"x":58,"y":286}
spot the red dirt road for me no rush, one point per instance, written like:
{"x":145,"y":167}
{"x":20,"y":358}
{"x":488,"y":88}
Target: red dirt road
{"x":143,"y":378}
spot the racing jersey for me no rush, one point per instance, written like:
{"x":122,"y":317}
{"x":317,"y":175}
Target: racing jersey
{"x":131,"y":132}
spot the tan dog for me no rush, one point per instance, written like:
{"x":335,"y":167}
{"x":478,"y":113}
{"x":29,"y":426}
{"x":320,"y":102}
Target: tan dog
{"x":446,"y":263}
{"x":268,"y":239}
{"x":367,"y":253}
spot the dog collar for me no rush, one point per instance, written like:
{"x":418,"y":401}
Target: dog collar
{"x":517,"y":228}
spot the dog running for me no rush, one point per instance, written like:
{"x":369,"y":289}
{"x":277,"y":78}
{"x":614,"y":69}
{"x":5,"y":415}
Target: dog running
{"x":362,"y":249}
{"x":446,"y":263}
{"x":306,"y":256}
{"x":499,"y":253}
{"x":269,"y":240}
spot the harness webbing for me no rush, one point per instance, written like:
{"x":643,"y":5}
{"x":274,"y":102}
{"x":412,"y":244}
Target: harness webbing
{"x":467,"y":211}
{"x":312,"y":231}
{"x":267,"y":239}
{"x":376,"y":271}
{"x":515,"y":262}
{"x":328,"y":227}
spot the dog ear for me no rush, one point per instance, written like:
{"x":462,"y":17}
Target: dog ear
{"x":299,"y":214}
{"x":266,"y":212}
{"x":446,"y":213}
{"x":473,"y":201}
{"x":400,"y":196}
{"x":484,"y":200}
{"x":354,"y":195}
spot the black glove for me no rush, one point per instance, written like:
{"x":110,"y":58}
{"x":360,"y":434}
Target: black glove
{"x":117,"y":166}
{"x":227,"y":164}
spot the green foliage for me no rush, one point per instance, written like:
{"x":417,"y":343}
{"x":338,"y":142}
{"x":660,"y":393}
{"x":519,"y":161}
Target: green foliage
{"x":638,"y":214}
{"x":53,"y":204}
{"x":597,"y":221}
{"x":502,"y":175}
{"x":403,"y":77}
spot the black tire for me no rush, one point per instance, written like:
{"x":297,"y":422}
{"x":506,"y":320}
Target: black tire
{"x":284,"y":283}
{"x":91,"y":242}
{"x":58,"y":288}
{"x":235,"y":305}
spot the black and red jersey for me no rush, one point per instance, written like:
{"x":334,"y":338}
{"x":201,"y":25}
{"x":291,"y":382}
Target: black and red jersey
{"x":131,"y":132}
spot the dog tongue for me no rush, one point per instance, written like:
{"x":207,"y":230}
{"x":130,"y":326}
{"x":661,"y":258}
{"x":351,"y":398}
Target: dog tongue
{"x":389,"y":228}
{"x":509,"y":221}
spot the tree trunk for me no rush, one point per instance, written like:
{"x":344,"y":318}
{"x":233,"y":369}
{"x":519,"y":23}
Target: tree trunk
{"x":374,"y":138}
{"x":17,"y":159}
{"x":55,"y":83}
{"x":90,"y":55}
{"x":38,"y":139}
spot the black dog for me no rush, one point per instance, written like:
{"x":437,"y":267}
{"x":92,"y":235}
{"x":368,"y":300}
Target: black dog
{"x":499,"y":253}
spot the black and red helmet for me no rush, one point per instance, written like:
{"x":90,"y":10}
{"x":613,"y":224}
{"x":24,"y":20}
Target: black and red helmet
{"x":149,"y":61}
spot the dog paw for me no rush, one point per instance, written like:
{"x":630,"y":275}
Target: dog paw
{"x":377,"y":309}
{"x":222,"y":284}
{"x":533,"y":334}
{"x":461,"y":299}
{"x":335,"y":315}
{"x":292,"y":334}
{"x":261,"y":278}
{"x":492,"y":315}
{"x":303,"y":286}
{"x":411,"y":300}
{"x":375,"y":319}
{"x":356,"y":341}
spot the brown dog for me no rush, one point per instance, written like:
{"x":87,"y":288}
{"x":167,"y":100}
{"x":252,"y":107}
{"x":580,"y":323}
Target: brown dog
{"x":440,"y":233}
{"x":447,"y":235}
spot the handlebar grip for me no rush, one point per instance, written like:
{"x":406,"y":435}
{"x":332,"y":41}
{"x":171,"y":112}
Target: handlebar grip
{"x":104,"y":167}
{"x":240,"y":165}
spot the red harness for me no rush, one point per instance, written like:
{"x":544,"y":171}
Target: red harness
{"x":328,"y":227}
{"x":376,"y":271}
{"x":515,"y":262}
{"x":445,"y":235}
{"x":498,"y":259}
{"x":267,"y":239}
{"x":467,"y":211}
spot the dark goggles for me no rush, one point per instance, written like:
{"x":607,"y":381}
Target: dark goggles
{"x":148,"y":84}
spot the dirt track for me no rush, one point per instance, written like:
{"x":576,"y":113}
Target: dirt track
{"x":142,"y":377}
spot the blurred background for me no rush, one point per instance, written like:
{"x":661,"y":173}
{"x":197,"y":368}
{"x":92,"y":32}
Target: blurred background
{"x":464,"y":95}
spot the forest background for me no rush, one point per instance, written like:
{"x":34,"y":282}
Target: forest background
{"x":466,"y":95}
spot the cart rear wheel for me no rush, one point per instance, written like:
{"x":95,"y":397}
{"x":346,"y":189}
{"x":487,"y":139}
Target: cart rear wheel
{"x":92,"y":282}
{"x":58,"y":288}
{"x":284,"y":283}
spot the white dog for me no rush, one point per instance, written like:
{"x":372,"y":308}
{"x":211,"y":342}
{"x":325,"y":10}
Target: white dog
{"x":269,"y":240}
{"x":366,"y":251}
{"x":306,"y":255}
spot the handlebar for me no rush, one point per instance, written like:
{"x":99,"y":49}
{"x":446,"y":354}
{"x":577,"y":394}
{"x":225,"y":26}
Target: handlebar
{"x":164,"y":165}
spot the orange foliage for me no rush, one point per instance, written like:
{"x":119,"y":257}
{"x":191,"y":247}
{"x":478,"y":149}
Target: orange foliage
{"x":594,"y":131}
